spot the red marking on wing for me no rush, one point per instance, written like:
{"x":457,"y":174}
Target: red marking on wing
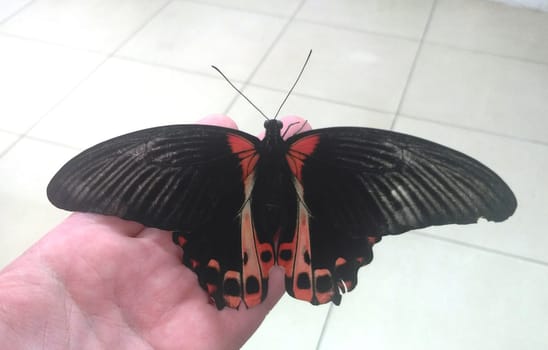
{"x":296,"y":257}
{"x":245,"y":150}
{"x":372,"y":240}
{"x":181,"y":240}
{"x":340,"y":261}
{"x":299,"y":151}
{"x":194,"y":264}
{"x":302,"y":267}
{"x":255,"y":265}
{"x":214,"y":264}
{"x":211,"y":288}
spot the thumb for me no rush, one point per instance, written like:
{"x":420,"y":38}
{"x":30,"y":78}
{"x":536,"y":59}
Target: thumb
{"x":295,"y":124}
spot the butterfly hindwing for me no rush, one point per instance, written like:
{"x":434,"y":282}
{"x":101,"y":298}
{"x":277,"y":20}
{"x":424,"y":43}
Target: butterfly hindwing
{"x":358,"y":184}
{"x":191,"y":179}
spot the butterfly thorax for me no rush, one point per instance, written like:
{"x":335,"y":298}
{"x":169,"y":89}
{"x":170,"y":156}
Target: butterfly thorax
{"x":273,"y":193}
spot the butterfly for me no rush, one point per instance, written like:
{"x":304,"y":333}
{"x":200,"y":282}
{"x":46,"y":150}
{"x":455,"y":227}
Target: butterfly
{"x":314,"y":203}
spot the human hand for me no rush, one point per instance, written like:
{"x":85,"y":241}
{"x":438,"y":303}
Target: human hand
{"x":103,"y":282}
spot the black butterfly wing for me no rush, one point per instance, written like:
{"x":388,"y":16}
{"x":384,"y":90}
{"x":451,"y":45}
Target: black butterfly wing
{"x":184,"y":178}
{"x":358,"y":184}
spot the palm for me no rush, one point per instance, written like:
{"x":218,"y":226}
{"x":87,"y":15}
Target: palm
{"x":125,"y":286}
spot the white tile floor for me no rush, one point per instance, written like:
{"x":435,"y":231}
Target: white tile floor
{"x":471,"y":74}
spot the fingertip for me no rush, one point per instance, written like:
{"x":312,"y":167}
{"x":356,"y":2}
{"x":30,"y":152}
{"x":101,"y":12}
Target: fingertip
{"x":295,"y":124}
{"x":218,"y":120}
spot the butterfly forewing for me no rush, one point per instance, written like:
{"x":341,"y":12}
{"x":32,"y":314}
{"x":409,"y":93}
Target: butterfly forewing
{"x":388,"y":183}
{"x":175,"y":177}
{"x":359,"y":184}
{"x":191,"y":179}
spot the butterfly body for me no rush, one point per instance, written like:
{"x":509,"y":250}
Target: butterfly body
{"x":314,"y":203}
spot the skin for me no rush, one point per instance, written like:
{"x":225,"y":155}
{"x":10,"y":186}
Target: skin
{"x":98,"y":282}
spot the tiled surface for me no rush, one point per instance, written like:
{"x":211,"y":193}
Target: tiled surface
{"x":99,"y":25}
{"x":427,"y":294}
{"x":479,"y":91}
{"x":75,"y":73}
{"x":35,"y":77}
{"x":405,"y":18}
{"x":7,"y":140}
{"x":10,"y":7}
{"x":279,"y":7}
{"x":184,"y":47}
{"x":109,"y":96}
{"x":357,"y":68}
{"x":290,"y":325}
{"x":25,"y":213}
{"x":491,"y":27}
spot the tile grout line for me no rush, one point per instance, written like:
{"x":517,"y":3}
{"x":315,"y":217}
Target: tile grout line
{"x":435,"y":43}
{"x":235,"y":8}
{"x":50,"y":43}
{"x":325,"y":325}
{"x":413,"y":65}
{"x":140,"y":28}
{"x":480,"y":248}
{"x":85,"y":78}
{"x":487,"y":53}
{"x":265,"y":55}
{"x":452,"y":241}
{"x":478,"y":130}
{"x":37,"y":139}
{"x":16,"y":12}
{"x":356,"y":30}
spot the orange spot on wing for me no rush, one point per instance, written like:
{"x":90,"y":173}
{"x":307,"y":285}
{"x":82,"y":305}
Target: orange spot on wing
{"x":181,"y":240}
{"x":246,"y":152}
{"x":211,"y":289}
{"x":340,"y":262}
{"x":214,"y":264}
{"x":372,"y":240}
{"x":194,"y":263}
{"x":299,"y":151}
{"x":325,"y":296}
{"x":232,"y":301}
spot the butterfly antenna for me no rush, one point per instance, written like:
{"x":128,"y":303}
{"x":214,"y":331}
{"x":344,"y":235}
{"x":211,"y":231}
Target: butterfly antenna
{"x":241,"y":93}
{"x":295,"y":83}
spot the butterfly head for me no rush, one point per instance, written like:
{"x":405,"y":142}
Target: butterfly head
{"x":273,"y":131}
{"x":273,"y":124}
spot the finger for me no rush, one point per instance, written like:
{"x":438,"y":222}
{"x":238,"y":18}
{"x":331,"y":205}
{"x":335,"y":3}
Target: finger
{"x":242,"y":323}
{"x":101,"y":222}
{"x":219,"y":120}
{"x":294,"y":124}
